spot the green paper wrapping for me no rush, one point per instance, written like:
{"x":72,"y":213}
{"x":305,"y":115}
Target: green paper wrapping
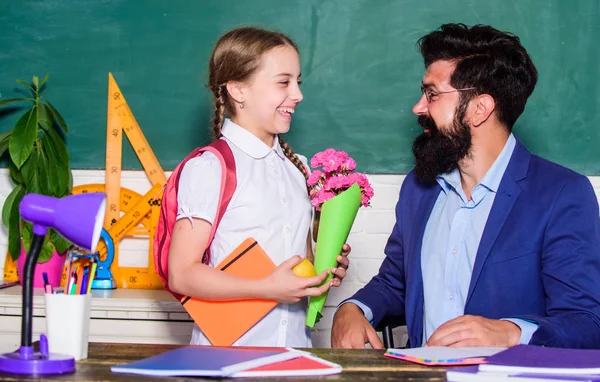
{"x":337,"y":217}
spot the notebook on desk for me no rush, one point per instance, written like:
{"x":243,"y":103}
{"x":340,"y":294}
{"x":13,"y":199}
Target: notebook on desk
{"x":224,"y":322}
{"x":233,"y":362}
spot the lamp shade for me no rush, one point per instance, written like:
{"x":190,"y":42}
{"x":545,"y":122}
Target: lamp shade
{"x":78,"y":218}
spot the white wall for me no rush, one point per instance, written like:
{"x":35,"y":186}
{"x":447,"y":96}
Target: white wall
{"x":368,"y":237}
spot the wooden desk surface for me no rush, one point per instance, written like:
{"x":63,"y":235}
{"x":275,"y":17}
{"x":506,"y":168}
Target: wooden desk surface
{"x":358,"y":365}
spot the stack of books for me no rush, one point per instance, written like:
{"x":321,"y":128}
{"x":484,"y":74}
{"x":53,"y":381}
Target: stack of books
{"x":231,"y":362}
{"x":527,"y":363}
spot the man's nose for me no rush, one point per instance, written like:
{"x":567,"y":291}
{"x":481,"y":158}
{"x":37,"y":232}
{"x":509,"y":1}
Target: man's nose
{"x":420,"y":107}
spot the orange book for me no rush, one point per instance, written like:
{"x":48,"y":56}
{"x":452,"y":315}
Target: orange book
{"x":224,"y":322}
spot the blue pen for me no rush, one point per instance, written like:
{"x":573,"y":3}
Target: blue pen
{"x":47,"y":287}
{"x":84,"y":280}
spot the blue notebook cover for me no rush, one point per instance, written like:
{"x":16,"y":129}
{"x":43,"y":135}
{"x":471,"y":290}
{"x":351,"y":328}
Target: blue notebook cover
{"x":472,"y":374}
{"x":544,"y":360}
{"x":206,"y":361}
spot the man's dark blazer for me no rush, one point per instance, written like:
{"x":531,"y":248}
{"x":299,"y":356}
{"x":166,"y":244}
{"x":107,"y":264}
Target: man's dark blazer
{"x":538,"y":259}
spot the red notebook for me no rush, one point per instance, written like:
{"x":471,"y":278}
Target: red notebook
{"x":308,"y":364}
{"x":224,"y":322}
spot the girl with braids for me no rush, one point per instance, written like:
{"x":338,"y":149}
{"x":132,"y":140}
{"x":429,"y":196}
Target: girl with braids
{"x":254,"y":75}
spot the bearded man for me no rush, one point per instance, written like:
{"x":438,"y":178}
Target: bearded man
{"x":492,"y":246}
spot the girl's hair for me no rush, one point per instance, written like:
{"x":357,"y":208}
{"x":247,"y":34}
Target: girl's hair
{"x":235,"y":58}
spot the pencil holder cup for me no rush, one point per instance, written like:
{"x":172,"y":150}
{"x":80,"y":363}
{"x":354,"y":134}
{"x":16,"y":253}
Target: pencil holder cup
{"x":68,"y":323}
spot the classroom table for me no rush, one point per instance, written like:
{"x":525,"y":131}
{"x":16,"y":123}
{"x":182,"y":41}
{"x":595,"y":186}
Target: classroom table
{"x":358,"y":365}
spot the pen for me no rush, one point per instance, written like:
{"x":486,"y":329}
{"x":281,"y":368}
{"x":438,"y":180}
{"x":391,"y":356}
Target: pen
{"x":84,"y":280}
{"x":92,"y":276}
{"x":68,"y":280}
{"x":47,"y":286}
{"x":73,"y":281}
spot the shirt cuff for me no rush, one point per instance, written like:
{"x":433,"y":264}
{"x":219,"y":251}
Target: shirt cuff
{"x":366,"y":310}
{"x":527,"y":329}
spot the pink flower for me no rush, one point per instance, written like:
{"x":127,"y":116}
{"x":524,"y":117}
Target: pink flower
{"x":322,"y":196}
{"x":331,"y":163}
{"x":335,"y":177}
{"x":349,"y":165}
{"x":335,"y":183}
{"x":315,"y":177}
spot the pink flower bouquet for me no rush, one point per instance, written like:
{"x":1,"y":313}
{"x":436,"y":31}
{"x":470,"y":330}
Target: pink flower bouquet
{"x":335,"y":177}
{"x":337,"y":192}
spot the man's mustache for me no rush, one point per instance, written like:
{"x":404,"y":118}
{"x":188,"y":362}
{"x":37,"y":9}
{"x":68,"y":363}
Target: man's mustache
{"x":427,"y":123}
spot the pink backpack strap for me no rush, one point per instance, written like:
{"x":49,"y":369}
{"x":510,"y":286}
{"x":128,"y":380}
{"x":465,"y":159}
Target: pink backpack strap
{"x":222,"y":151}
{"x":228,"y":185}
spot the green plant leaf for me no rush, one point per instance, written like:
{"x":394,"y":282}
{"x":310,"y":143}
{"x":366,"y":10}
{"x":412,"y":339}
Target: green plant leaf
{"x":58,"y":117}
{"x":44,"y":80}
{"x":4,"y":139}
{"x":53,"y":163}
{"x":45,"y":117}
{"x":23,"y":137}
{"x":47,"y":250}
{"x":70,"y":182}
{"x":15,"y":174}
{"x":9,"y":202}
{"x":29,"y":169}
{"x":14,"y":221}
{"x":27,"y":236}
{"x":59,"y":145}
{"x":44,"y":180}
{"x":60,"y":172}
{"x":60,"y":243}
{"x":26,"y":84}
{"x":36,"y":82}
{"x":11,"y":100}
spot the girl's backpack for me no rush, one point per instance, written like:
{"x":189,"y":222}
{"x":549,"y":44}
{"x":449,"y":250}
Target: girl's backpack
{"x":168,"y":208}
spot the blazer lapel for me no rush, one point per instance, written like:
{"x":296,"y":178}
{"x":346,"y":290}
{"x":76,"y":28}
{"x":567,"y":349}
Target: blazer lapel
{"x":508,"y":192}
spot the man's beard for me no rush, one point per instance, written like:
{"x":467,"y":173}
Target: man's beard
{"x":439,"y":152}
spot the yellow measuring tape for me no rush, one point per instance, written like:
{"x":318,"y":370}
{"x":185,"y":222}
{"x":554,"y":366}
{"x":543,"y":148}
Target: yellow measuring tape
{"x":144,"y":209}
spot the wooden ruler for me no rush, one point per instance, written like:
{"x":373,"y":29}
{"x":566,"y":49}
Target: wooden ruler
{"x":120,"y":119}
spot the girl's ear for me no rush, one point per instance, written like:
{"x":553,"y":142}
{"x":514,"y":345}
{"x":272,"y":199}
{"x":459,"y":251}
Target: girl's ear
{"x":236,"y":91}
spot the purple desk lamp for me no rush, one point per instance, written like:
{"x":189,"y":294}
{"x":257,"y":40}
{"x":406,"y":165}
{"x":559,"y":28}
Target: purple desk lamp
{"x":78,"y":218}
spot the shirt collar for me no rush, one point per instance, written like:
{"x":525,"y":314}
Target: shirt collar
{"x":248,"y":142}
{"x":491,"y":179}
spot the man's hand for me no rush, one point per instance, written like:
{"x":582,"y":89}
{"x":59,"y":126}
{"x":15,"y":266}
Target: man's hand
{"x":351,"y":330}
{"x":476,"y":331}
{"x":343,"y":262}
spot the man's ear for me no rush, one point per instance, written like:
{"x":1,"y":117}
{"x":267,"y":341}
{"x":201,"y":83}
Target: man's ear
{"x":482,"y":107}
{"x":236,"y":91}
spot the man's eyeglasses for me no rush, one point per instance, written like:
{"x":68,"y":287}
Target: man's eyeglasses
{"x":429,"y":94}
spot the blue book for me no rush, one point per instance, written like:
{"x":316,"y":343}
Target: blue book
{"x":474,"y":374}
{"x":207,"y":361}
{"x":544,"y":360}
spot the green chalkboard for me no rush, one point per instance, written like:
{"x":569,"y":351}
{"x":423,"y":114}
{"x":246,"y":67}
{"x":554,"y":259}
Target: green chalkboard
{"x":361,"y":70}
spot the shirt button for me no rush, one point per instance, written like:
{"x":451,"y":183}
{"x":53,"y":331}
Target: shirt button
{"x":284,"y":323}
{"x":454,"y":251}
{"x":284,"y":200}
{"x":451,"y":297}
{"x":287,"y":229}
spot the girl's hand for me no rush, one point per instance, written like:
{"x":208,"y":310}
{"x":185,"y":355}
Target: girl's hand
{"x":343,"y":263}
{"x":284,"y":286}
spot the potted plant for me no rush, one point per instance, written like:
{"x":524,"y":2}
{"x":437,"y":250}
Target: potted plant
{"x":38,"y":162}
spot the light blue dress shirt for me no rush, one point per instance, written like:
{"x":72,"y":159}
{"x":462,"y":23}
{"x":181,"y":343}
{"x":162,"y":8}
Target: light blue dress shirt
{"x":450,"y":244}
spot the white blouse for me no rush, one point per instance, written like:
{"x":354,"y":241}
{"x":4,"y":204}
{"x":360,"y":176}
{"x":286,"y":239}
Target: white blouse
{"x":270,"y":204}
